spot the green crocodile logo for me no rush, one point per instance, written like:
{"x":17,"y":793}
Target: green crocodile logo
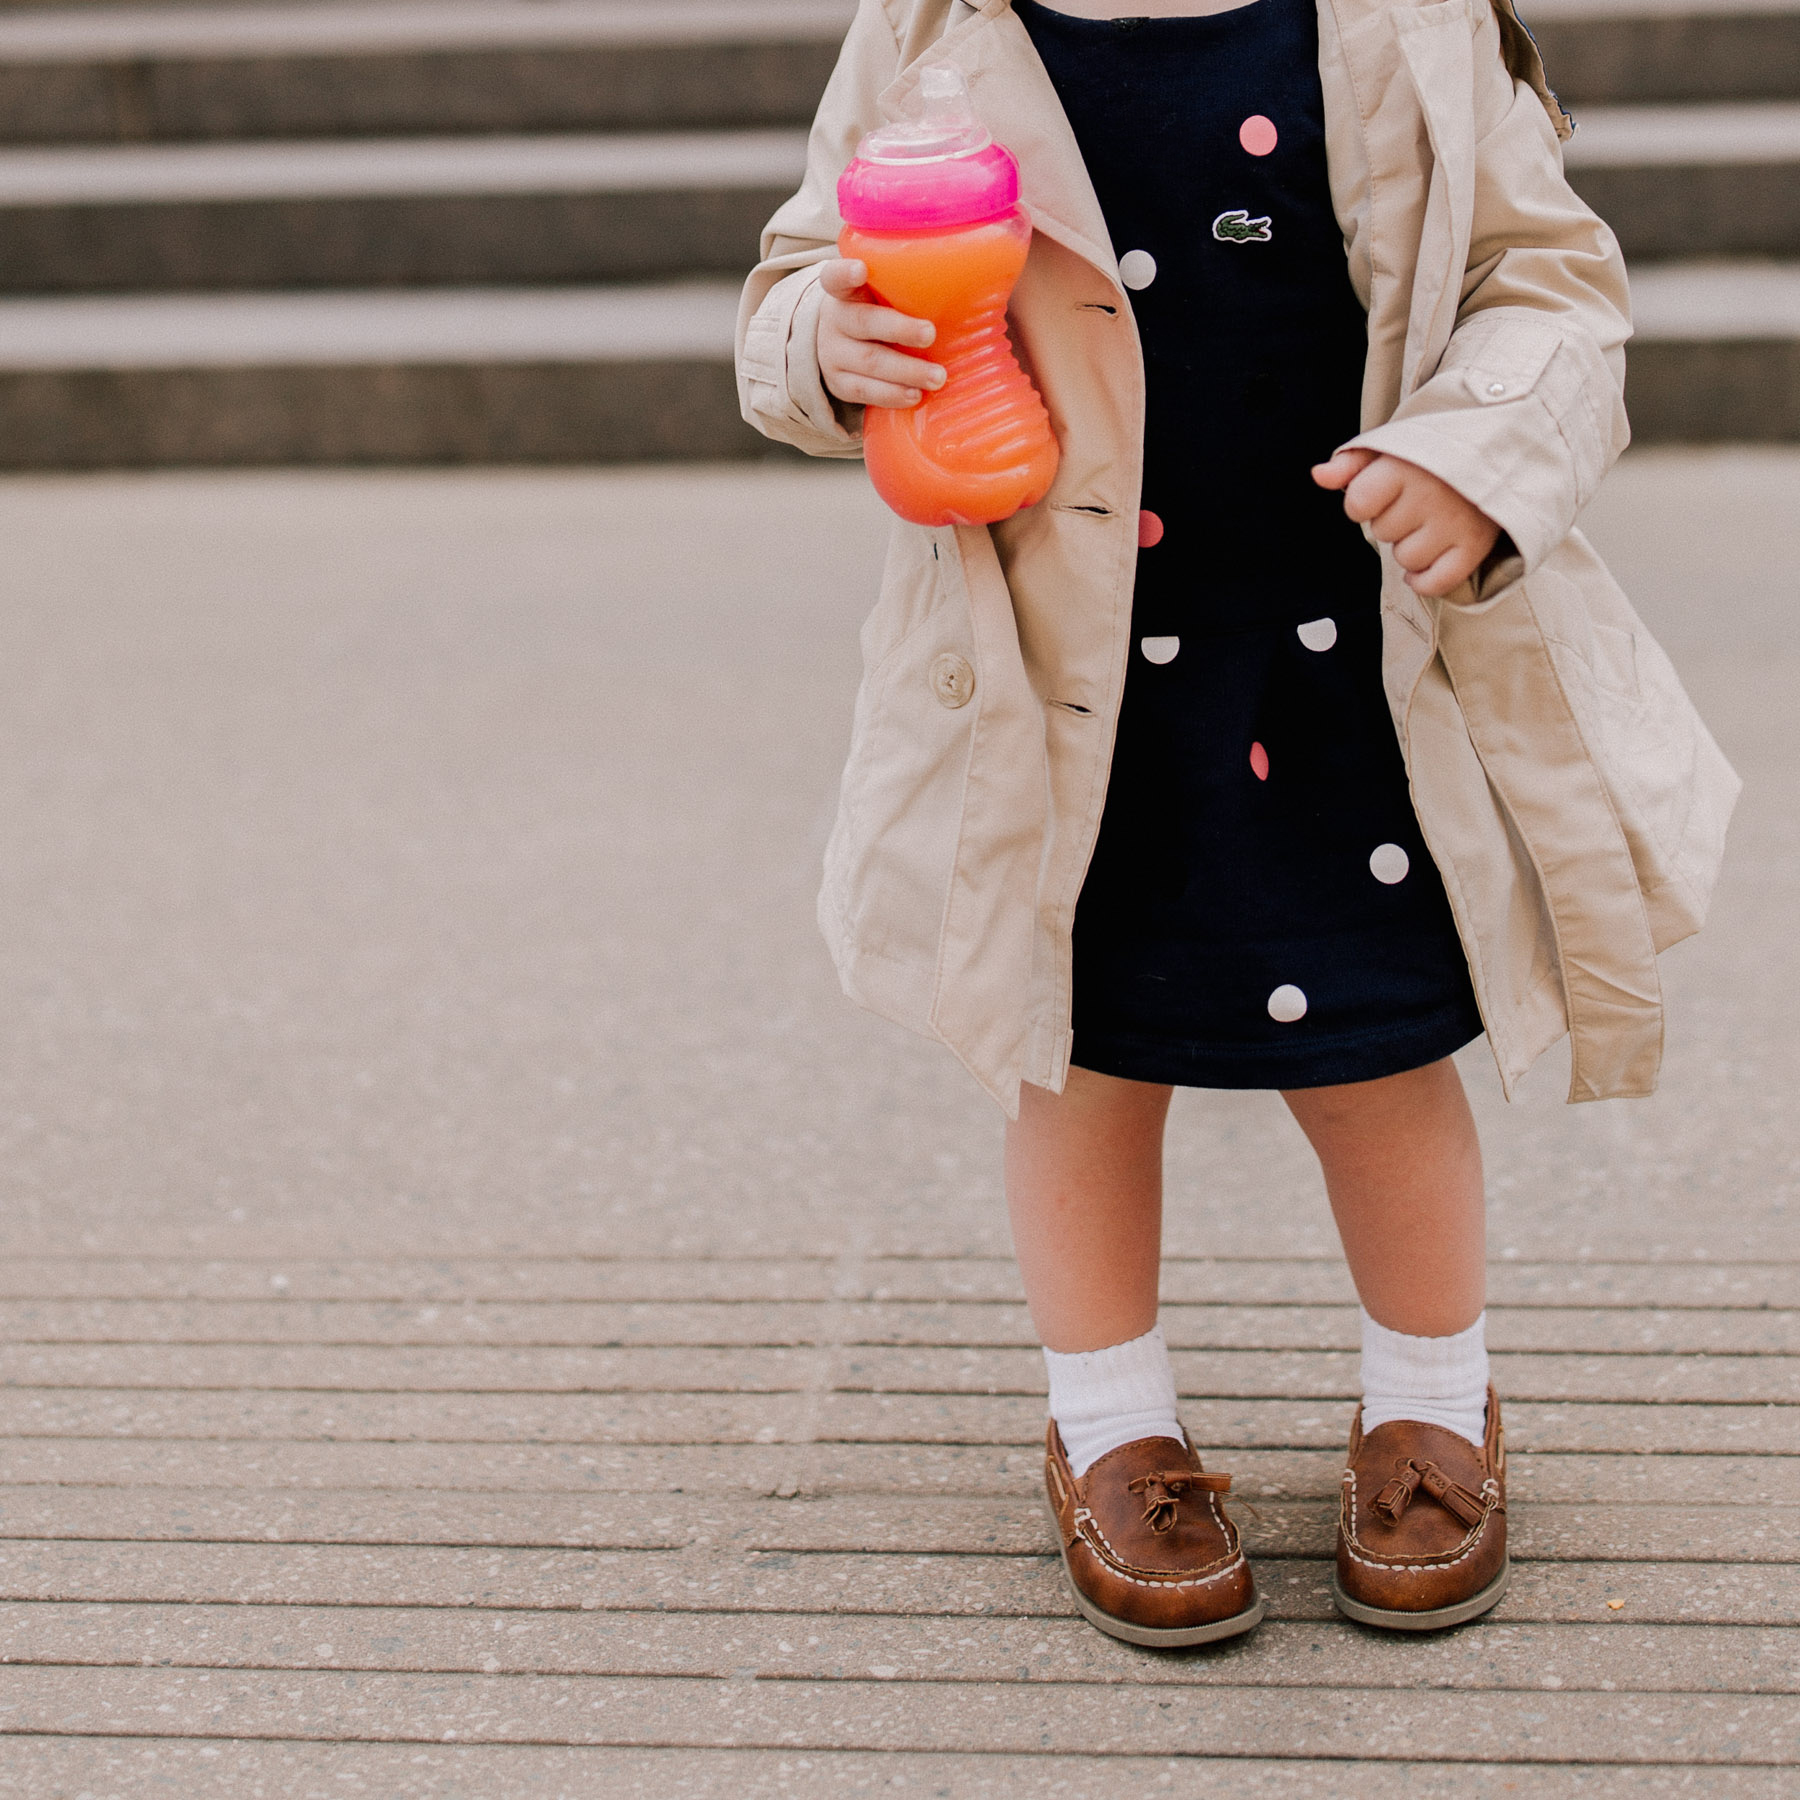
{"x":1239,"y":228}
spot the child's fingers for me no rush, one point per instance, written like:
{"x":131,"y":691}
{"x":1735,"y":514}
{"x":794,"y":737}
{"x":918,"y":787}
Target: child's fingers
{"x":1415,"y":551}
{"x":1374,"y":489}
{"x":862,"y":390}
{"x":1409,"y":513}
{"x":876,"y":362}
{"x":845,"y":282}
{"x":1342,"y":468}
{"x":843,"y":277}
{"x":1447,"y":573}
{"x":882,"y":325}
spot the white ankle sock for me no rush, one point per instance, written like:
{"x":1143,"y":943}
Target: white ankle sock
{"x":1435,"y":1380}
{"x":1101,"y":1399}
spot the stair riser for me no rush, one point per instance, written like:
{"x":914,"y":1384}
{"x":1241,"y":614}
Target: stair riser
{"x":1727,"y":391}
{"x":635,"y":88}
{"x":412,"y":240}
{"x":498,"y":413}
{"x":586,"y":87}
{"x":1720,"y":209}
{"x":408,"y":240}
{"x":1621,"y":62}
{"x":625,"y":412}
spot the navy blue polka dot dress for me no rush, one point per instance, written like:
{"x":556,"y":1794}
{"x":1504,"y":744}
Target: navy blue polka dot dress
{"x":1261,"y":911}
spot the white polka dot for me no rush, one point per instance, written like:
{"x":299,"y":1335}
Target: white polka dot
{"x":1160,"y":650}
{"x":1389,"y":863}
{"x":1318,"y":634}
{"x":1137,"y":268}
{"x":1287,"y":1004}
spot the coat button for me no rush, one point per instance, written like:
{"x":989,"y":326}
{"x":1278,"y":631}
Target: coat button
{"x":952,"y":680}
{"x":1496,"y":388}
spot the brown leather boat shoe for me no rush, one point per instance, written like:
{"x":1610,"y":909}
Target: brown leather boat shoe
{"x":1152,"y":1556}
{"x":1422,"y":1525}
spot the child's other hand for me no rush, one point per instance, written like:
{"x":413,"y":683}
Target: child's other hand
{"x":1439,"y":538}
{"x":853,"y":333}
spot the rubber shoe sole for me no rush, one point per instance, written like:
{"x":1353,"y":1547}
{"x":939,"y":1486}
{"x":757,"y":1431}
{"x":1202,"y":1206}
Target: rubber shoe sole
{"x":1173,"y":1637}
{"x":1439,"y":1619}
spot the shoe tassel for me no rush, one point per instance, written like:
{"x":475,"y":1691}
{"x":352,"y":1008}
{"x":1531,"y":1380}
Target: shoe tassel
{"x":1163,"y":1489}
{"x":1391,"y":1503}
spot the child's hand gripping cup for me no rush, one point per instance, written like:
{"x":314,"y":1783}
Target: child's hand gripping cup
{"x":931,"y":207}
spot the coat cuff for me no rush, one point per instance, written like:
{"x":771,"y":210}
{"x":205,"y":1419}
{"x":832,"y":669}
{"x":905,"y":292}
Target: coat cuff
{"x":1523,"y":418}
{"x":780,"y":388}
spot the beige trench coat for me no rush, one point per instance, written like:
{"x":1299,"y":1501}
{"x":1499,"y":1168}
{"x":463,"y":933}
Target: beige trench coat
{"x":1568,"y":792}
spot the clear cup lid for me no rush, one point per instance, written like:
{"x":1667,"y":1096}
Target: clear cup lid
{"x":944,"y":126}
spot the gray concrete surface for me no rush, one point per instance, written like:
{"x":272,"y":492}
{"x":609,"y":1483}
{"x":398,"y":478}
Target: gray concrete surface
{"x":437,"y":327}
{"x":136,"y":73}
{"x":482,"y":1316}
{"x":368,"y":839}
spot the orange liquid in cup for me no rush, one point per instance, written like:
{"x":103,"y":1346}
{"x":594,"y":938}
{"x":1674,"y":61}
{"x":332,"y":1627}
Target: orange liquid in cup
{"x":981,"y":447}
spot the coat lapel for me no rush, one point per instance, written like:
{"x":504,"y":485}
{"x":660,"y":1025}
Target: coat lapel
{"x":1402,"y":176}
{"x":1436,"y":46}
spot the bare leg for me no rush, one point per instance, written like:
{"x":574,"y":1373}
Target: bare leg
{"x":1402,"y":1166}
{"x":1084,"y":1187}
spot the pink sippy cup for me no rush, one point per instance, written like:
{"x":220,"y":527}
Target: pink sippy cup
{"x":931,"y":206}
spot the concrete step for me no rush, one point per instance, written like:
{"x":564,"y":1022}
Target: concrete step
{"x":1620,"y":51}
{"x":477,"y":376}
{"x":612,"y":207}
{"x":144,"y":73}
{"x":623,"y":374}
{"x":1675,"y":182}
{"x":1687,"y":181}
{"x":100,"y":73}
{"x":1716,"y":357}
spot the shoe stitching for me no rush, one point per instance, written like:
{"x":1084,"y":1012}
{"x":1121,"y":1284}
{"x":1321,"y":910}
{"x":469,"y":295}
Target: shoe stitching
{"x":1091,"y":1534}
{"x":1350,"y":1542}
{"x":1400,"y":1568}
{"x":1121,"y":1573}
{"x":1447,"y":1560}
{"x":1084,"y":1517}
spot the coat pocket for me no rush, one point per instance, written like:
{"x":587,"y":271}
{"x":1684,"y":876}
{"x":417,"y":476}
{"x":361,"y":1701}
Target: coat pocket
{"x":1668,"y":780}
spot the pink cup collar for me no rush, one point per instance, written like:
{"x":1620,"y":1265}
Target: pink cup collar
{"x":933,"y":194}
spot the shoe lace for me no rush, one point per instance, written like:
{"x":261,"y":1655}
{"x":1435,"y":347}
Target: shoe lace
{"x":1163,"y":1488}
{"x":1412,"y":1474}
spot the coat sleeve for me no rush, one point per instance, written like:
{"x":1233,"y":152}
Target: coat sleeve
{"x":1526,"y":411}
{"x":779,"y":386}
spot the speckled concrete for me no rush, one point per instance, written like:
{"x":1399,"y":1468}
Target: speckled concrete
{"x":469,"y":1272}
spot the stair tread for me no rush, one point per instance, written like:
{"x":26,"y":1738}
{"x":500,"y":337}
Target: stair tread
{"x":1730,"y":131}
{"x":674,"y":322}
{"x":585,"y":162}
{"x":1577,"y":11}
{"x":1610,"y":137}
{"x":1716,"y":300}
{"x":55,"y":35}
{"x":349,"y":27}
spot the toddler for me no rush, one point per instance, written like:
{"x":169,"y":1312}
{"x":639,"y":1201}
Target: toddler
{"x":1293,"y":742}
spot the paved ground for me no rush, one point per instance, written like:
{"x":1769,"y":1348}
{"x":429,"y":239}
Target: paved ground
{"x":483,"y":1318}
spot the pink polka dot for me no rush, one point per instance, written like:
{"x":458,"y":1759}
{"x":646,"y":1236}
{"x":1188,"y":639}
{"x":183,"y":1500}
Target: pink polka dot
{"x":1259,"y":762}
{"x":1150,"y":531}
{"x":1258,"y":135}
